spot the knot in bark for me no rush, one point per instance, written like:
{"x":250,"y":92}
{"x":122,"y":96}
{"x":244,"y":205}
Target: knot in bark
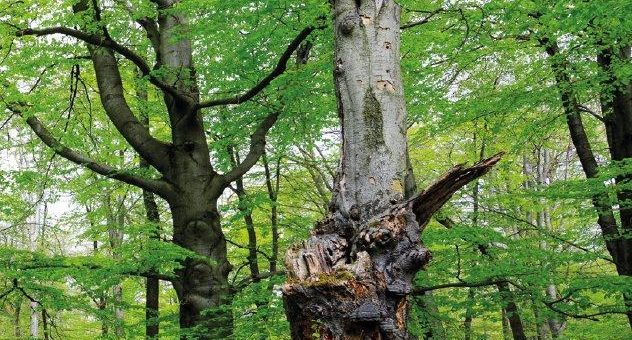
{"x":348,"y":24}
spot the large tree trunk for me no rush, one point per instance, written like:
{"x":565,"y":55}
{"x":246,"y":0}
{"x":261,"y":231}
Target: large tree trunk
{"x":203,"y":281}
{"x":202,"y":285}
{"x":187,"y":179}
{"x":352,"y":277}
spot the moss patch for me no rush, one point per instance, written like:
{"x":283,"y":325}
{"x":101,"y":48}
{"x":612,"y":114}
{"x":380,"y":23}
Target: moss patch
{"x":373,"y":121}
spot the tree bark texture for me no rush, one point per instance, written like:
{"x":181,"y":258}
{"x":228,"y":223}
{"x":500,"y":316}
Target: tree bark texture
{"x":351,"y":279}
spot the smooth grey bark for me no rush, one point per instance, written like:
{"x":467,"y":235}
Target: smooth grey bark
{"x":352,"y":277}
{"x":34,"y":320}
{"x":371,"y":106}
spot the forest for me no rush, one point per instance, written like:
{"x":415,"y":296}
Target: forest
{"x":316,"y":169}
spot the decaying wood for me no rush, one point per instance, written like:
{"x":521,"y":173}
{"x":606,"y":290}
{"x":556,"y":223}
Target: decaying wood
{"x":351,"y":278}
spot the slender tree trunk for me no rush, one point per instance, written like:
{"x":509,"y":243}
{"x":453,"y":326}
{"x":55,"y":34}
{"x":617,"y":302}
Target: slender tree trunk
{"x":34,"y":324}
{"x":116,"y":223}
{"x":17,"y":331}
{"x":544,"y":222}
{"x":433,"y":325}
{"x":45,"y":330}
{"x":351,"y":279}
{"x":515,"y":322}
{"x":555,"y":325}
{"x":100,"y":300}
{"x":467,"y":321}
{"x":540,"y":325}
{"x":152,"y":284}
{"x":273,"y":193}
{"x":246,"y":210}
{"x":513,"y":315}
{"x":505,"y":324}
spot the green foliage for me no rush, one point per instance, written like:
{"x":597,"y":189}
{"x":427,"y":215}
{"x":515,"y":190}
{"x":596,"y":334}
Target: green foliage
{"x":476,"y":81}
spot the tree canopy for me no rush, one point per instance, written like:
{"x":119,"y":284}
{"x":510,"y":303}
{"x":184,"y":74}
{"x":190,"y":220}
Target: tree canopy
{"x":546,"y":82}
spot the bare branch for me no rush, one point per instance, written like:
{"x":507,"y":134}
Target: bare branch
{"x":423,"y":20}
{"x":257,"y":148}
{"x":277,"y":71}
{"x":590,"y":112}
{"x":159,"y":187}
{"x":100,"y":41}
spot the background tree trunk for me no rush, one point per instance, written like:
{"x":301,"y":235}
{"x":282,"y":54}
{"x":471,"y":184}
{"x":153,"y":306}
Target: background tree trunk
{"x":17,"y":330}
{"x":273,"y":194}
{"x":616,"y":108}
{"x":467,"y":321}
{"x":115,"y":224}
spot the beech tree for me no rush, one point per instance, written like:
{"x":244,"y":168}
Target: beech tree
{"x":352,"y":277}
{"x":186,"y":177}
